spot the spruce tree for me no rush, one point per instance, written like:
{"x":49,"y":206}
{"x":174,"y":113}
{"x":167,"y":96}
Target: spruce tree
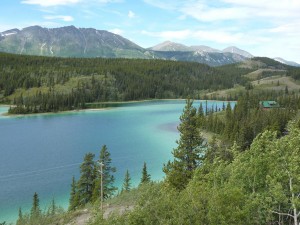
{"x":145,"y":176}
{"x":52,"y":208}
{"x":126,"y":183}
{"x":35,"y":209}
{"x":74,"y":201}
{"x":86,"y":180}
{"x":20,"y":217}
{"x":108,"y":178}
{"x":187,"y":156}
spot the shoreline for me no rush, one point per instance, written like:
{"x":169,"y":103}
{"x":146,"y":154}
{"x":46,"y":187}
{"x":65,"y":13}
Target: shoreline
{"x":100,"y":108}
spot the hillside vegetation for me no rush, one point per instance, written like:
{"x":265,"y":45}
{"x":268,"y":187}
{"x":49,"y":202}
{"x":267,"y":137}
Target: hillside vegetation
{"x":48,"y":84}
{"x":260,"y":75}
{"x":45,"y":84}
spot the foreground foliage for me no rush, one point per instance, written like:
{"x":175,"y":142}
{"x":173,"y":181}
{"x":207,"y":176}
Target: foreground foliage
{"x":258,"y":186}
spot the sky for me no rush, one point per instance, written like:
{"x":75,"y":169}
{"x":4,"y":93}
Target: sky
{"x":262,"y":27}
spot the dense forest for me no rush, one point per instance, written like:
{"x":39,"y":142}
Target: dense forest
{"x":37,"y":84}
{"x":45,"y":84}
{"x":247,"y":119}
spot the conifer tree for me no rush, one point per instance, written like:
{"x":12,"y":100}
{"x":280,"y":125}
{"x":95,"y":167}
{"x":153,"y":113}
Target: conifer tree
{"x":86,"y":181}
{"x":73,"y":202}
{"x":52,"y":207}
{"x":187,"y":156}
{"x":108,"y":178}
{"x":126,"y":183}
{"x":20,"y":217}
{"x":145,"y":176}
{"x":35,"y":209}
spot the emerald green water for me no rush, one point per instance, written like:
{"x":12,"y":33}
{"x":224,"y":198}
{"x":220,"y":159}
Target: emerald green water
{"x":41,"y":153}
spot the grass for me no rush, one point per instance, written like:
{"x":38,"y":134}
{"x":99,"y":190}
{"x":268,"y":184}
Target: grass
{"x":258,"y":74}
{"x":276,"y":83}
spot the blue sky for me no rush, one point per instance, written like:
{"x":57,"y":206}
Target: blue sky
{"x":262,"y":27}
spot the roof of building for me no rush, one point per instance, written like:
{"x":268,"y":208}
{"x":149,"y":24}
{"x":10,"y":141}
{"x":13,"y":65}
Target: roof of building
{"x":269,"y":104}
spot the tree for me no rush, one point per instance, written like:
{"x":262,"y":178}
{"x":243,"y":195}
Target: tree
{"x":284,"y":178}
{"x":126,"y":183}
{"x":74,"y":201}
{"x":86,"y":180}
{"x":286,"y":90}
{"x":187,"y":156}
{"x":52,"y":208}
{"x":108,"y":178}
{"x":20,"y":217}
{"x":145,"y":176}
{"x":35,"y":209}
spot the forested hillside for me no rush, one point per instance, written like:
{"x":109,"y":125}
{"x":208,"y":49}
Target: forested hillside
{"x":45,"y":84}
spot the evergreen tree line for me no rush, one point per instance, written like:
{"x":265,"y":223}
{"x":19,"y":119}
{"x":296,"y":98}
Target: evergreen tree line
{"x":247,"y":119}
{"x":43,"y":84}
{"x":37,"y":216}
{"x":87,"y":188}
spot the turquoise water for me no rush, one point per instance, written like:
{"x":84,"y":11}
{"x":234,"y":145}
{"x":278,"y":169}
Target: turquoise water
{"x":41,"y":153}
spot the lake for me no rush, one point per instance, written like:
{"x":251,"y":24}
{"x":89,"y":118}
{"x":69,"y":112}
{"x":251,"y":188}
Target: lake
{"x":41,"y":153}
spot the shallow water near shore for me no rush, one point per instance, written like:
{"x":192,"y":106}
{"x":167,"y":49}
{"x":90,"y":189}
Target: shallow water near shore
{"x":41,"y":153}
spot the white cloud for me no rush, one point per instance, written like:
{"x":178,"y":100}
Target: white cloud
{"x":169,"y":35}
{"x":241,"y":9}
{"x":203,"y":13}
{"x":289,"y":29}
{"x":49,"y":3}
{"x":59,"y":17}
{"x":131,"y":14}
{"x":116,"y":31}
{"x":166,"y":4}
{"x":46,"y":3}
{"x":217,"y":36}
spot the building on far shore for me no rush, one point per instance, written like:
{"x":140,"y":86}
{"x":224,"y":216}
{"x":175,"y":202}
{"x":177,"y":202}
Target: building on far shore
{"x":268,"y":105}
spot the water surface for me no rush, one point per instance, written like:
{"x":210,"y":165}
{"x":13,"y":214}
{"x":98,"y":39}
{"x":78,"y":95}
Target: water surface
{"x":41,"y":153}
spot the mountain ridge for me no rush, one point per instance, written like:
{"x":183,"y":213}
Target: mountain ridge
{"x":70,"y":41}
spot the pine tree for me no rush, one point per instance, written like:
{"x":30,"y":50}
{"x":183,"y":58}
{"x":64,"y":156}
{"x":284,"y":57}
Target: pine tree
{"x":188,"y":153}
{"x":35,"y":209}
{"x":126,"y":183}
{"x":20,"y":217}
{"x":74,"y":201}
{"x":107,"y":173}
{"x":52,"y":208}
{"x":145,"y":176}
{"x":86,"y":181}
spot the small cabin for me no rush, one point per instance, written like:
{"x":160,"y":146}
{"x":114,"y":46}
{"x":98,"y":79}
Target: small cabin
{"x":268,"y":104}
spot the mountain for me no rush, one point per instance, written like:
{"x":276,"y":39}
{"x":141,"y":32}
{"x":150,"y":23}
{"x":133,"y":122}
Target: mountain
{"x":210,"y":58}
{"x":290,"y":63}
{"x":203,"y":48}
{"x":173,"y":47}
{"x":70,"y":41}
{"x":235,"y":50}
{"x":170,"y":47}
